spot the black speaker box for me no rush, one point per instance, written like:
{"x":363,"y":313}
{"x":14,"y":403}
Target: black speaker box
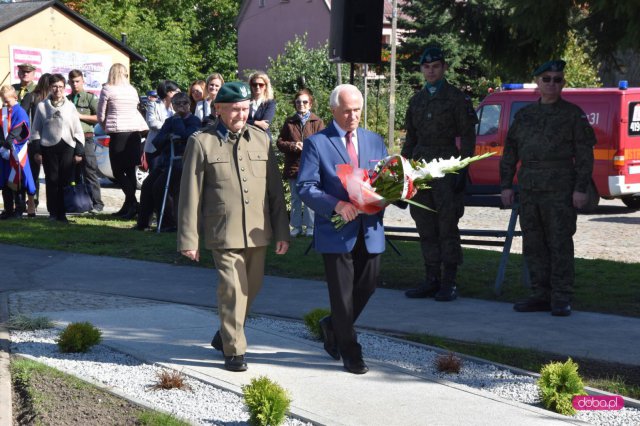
{"x":356,"y":31}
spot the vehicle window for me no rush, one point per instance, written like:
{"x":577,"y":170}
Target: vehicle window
{"x":489,"y":119}
{"x":634,"y":118}
{"x":515,"y":107}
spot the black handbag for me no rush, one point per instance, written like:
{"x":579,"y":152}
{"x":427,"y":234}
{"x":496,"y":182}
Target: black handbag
{"x":76,"y":196}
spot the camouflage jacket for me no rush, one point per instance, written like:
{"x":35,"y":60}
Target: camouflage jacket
{"x":555,"y":143}
{"x":434,"y":122}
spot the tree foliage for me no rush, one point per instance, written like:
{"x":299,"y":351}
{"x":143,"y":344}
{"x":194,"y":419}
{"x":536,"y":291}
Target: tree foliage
{"x":183,"y":40}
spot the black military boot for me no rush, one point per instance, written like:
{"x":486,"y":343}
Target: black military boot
{"x":448,"y":290}
{"x":430,"y":287}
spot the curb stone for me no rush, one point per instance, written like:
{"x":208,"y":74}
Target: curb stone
{"x":6,"y":400}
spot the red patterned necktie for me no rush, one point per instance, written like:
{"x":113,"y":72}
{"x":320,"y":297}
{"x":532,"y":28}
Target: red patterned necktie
{"x":351,"y":150}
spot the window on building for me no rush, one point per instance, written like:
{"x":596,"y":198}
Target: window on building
{"x":261,"y":3}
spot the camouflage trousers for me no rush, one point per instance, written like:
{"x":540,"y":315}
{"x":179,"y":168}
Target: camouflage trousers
{"x":438,"y":231}
{"x":548,"y":222}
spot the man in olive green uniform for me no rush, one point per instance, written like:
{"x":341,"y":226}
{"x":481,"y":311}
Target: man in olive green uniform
{"x":26,"y":73}
{"x":438,"y":114}
{"x":231,"y":186}
{"x":554,"y":142}
{"x":87,"y":103}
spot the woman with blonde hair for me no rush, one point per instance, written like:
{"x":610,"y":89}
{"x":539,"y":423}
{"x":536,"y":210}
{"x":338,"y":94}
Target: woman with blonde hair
{"x":119,"y":117}
{"x":263,"y":106}
{"x":204,"y":109}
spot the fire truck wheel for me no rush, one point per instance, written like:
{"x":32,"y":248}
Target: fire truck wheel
{"x":632,"y":201}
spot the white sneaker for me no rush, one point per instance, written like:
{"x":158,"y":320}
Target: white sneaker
{"x":295,"y":232}
{"x":309,"y":232}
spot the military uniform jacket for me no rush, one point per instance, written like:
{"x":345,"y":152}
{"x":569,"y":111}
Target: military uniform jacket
{"x":86,"y":104}
{"x":555,"y":143}
{"x":434,"y":121}
{"x":233,"y":188}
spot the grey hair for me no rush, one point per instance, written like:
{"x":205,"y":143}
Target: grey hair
{"x":335,"y":94}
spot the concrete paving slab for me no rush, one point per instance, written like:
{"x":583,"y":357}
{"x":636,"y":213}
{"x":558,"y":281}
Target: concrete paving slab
{"x":178,"y":336}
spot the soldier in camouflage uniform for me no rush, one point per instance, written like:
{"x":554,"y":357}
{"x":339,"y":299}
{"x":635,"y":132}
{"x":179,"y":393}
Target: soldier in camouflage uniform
{"x":438,"y":114}
{"x":554,"y":142}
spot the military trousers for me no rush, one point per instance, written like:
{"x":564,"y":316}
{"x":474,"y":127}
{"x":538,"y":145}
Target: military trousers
{"x":240,"y":275}
{"x":548,"y":222}
{"x":438,"y":230}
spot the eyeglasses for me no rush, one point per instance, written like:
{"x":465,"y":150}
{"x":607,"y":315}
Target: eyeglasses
{"x":181,"y":103}
{"x":57,"y":87}
{"x":548,"y":79}
{"x":260,"y":85}
{"x":299,"y":102}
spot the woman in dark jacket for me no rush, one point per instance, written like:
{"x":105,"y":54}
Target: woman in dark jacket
{"x":263,"y":107}
{"x":295,"y":130}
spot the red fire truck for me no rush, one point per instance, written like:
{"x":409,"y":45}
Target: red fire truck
{"x":614,"y":114}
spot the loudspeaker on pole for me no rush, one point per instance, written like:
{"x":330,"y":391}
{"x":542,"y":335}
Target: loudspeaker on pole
{"x":356,"y":31}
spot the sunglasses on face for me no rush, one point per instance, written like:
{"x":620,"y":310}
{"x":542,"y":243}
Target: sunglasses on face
{"x":548,"y":79}
{"x":181,"y":103}
{"x":299,"y":102}
{"x":260,"y":85}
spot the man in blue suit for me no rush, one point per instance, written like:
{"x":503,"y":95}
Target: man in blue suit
{"x":352,"y":254}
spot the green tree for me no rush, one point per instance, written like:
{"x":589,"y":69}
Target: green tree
{"x":581,"y":69}
{"x":183,"y":40}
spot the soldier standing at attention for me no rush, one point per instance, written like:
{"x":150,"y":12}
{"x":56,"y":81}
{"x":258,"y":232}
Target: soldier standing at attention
{"x":554,"y":142}
{"x":87,"y":104}
{"x":231,"y":186}
{"x":438,"y":114}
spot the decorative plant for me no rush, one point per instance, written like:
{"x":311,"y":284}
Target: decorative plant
{"x":448,"y":363}
{"x":312,"y":319}
{"x":170,"y":379}
{"x":78,"y":337}
{"x":267,"y":401}
{"x":559,"y":383}
{"x":27,"y":323}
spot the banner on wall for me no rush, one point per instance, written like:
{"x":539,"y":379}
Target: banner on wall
{"x":94,"y":67}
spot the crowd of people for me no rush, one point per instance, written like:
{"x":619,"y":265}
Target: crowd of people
{"x":213,"y":174}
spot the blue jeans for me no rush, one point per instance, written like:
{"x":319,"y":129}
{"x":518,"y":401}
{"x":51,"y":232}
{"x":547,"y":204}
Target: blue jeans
{"x":300,"y":214}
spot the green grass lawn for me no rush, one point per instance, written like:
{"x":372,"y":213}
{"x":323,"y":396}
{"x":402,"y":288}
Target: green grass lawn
{"x":601,"y":285}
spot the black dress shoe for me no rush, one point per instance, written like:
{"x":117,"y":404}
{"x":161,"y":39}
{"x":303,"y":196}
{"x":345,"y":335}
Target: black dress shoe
{"x":355,"y":365}
{"x":422,"y":292}
{"x":329,"y":338}
{"x":532,"y":305}
{"x":122,"y":210}
{"x":235,"y":363}
{"x":217,"y":341}
{"x":560,"y":309}
{"x":131,"y":212}
{"x":446,"y":294}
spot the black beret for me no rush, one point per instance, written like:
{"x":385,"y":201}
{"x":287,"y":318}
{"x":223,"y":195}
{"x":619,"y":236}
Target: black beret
{"x":431,"y":54}
{"x":556,"y":65}
{"x":231,"y":92}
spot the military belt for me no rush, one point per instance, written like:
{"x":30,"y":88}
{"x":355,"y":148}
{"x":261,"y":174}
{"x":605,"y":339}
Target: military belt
{"x":548,"y":164}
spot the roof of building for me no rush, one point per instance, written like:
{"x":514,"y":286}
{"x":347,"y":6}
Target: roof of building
{"x":12,"y":13}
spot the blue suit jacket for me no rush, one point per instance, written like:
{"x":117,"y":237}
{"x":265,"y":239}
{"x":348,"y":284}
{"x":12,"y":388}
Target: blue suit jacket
{"x":321,"y":189}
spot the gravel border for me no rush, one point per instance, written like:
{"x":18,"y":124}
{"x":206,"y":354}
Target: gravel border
{"x":129,"y":377}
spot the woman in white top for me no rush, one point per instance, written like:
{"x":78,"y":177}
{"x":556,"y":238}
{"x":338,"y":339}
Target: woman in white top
{"x":204,"y":109}
{"x":158,"y":112}
{"x":58,"y":139}
{"x":118,"y":114}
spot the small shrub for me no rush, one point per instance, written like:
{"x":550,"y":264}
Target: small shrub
{"x":448,"y":363}
{"x":311,"y":320}
{"x":267,"y":401}
{"x":170,"y":379}
{"x":78,"y":337}
{"x":558,"y":384}
{"x":27,"y":323}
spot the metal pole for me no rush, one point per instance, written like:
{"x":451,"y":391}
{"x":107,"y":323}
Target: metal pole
{"x":392,"y":77}
{"x":366,"y":91}
{"x":339,"y":71}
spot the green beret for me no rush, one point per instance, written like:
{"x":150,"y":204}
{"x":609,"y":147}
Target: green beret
{"x":556,"y":65}
{"x":431,"y":54}
{"x":27,"y":67}
{"x":231,"y":92}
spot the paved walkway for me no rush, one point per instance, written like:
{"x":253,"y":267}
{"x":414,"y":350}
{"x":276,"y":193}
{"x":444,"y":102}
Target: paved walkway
{"x":177,"y":334}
